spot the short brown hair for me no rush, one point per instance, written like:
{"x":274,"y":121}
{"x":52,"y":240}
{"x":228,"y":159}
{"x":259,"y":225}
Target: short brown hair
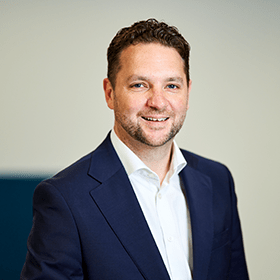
{"x":146,"y":31}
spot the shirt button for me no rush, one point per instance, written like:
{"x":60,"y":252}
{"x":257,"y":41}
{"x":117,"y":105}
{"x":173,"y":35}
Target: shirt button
{"x":170,"y":238}
{"x":159,"y":196}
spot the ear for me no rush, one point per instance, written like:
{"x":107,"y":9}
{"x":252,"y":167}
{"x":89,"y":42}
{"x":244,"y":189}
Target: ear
{"x":109,"y":93}
{"x":189,"y":90}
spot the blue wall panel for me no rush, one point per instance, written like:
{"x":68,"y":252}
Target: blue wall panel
{"x":16,"y":221}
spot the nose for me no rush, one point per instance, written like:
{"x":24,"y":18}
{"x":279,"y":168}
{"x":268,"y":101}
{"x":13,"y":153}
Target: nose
{"x":157,"y":100}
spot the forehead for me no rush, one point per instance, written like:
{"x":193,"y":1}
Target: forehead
{"x":144,"y":49}
{"x":151,"y":57}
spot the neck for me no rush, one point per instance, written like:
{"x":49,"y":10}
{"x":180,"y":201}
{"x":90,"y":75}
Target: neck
{"x":158,"y":159}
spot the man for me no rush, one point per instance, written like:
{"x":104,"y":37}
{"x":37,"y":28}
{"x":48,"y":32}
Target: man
{"x":138,"y":207}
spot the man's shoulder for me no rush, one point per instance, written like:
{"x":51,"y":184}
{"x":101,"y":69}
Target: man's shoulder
{"x":91,"y":167}
{"x":75,"y":170}
{"x":213,"y":171}
{"x":71,"y":177}
{"x":203,"y":164}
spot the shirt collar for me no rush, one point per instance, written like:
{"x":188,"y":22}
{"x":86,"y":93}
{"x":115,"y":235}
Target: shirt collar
{"x":132,"y":162}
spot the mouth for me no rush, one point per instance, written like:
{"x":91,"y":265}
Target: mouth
{"x":155,"y":119}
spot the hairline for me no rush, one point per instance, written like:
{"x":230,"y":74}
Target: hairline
{"x":119,"y":66}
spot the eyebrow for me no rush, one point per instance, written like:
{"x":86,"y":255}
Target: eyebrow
{"x":175,"y":79}
{"x":137,"y":77}
{"x":145,"y":78}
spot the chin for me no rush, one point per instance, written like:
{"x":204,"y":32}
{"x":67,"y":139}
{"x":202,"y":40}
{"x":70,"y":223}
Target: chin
{"x":154,"y":141}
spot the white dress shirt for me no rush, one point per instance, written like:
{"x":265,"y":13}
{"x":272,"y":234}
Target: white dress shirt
{"x":164,"y":207}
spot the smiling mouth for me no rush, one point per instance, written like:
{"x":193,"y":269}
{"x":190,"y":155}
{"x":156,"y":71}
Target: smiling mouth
{"x":155,"y":119}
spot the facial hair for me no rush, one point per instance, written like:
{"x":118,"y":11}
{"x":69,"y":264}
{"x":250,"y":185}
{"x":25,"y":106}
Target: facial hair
{"x":135,"y":130}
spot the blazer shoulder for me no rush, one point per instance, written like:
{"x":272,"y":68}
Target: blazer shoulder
{"x":204,"y":165}
{"x":89,"y":171}
{"x":71,"y":179}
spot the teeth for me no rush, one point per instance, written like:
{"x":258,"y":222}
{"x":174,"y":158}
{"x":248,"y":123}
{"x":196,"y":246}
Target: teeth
{"x":156,"y":120}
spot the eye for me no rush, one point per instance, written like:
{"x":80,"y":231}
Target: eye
{"x":138,"y":85}
{"x":172,"y":86}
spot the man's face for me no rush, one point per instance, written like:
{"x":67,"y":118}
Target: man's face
{"x":150,"y":99}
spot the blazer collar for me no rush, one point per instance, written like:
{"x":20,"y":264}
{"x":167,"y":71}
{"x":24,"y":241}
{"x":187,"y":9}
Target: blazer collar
{"x":117,"y":201}
{"x":198,"y":189}
{"x":104,"y":161}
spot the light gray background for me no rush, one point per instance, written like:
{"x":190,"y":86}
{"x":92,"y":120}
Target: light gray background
{"x":53,"y":111}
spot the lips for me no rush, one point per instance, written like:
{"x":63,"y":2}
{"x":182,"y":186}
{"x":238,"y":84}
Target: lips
{"x":155,"y":119}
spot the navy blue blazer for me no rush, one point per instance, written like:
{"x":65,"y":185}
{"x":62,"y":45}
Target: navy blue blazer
{"x":88,"y":224}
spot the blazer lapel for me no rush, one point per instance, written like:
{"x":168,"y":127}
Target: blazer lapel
{"x":119,"y":206}
{"x":199,"y":197}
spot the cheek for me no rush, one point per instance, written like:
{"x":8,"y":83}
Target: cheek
{"x":180,"y":106}
{"x":128,"y":107}
{"x":134,"y":105}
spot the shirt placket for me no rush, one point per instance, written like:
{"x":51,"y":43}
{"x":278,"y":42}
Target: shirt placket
{"x":177,"y":262}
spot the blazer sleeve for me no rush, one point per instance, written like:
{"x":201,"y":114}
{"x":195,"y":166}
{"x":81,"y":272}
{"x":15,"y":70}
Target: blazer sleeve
{"x":238,"y":267}
{"x":53,"y":244}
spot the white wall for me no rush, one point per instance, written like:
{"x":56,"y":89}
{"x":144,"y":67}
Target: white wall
{"x":52,"y":109}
